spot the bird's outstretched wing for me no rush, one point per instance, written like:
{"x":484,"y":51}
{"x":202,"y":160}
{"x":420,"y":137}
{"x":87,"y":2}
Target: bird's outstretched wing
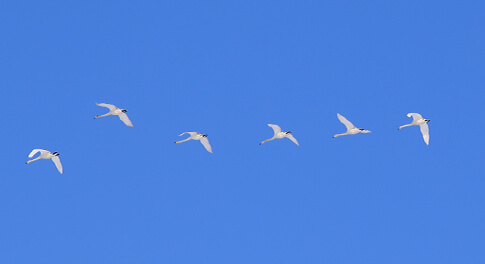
{"x":57,"y":161}
{"x":346,"y":122}
{"x":276,"y":128}
{"x":205,"y":142}
{"x":35,"y":151}
{"x":190,"y":133}
{"x":425,"y":131}
{"x":125,"y":119}
{"x":292,"y":138}
{"x":415,"y":116}
{"x":110,"y":106}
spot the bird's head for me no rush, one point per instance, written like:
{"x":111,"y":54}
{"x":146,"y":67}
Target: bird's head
{"x":55,"y":153}
{"x":289,"y":132}
{"x":124,"y":111}
{"x":427,"y":120}
{"x":205,"y":135}
{"x":363,"y":130}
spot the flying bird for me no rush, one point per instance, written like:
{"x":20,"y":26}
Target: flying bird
{"x":197,"y":136}
{"x":113,"y":110}
{"x":45,"y":154}
{"x":423,"y":125}
{"x":351,"y":129}
{"x":278,"y":133}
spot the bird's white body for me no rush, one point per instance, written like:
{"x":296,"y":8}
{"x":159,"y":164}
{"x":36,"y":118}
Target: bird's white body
{"x":351,"y":129}
{"x":45,"y":154}
{"x":278,"y":133}
{"x":113,"y":110}
{"x":197,"y":136}
{"x":418,"y":120}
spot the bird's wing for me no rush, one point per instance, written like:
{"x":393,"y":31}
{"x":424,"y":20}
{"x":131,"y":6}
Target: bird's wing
{"x":205,"y":142}
{"x":346,"y":122}
{"x":276,"y":128}
{"x":125,"y":119}
{"x":415,"y":116}
{"x":292,"y":138}
{"x":110,"y":106}
{"x":57,"y":161}
{"x":425,"y":131}
{"x":35,"y":151}
{"x":190,"y":133}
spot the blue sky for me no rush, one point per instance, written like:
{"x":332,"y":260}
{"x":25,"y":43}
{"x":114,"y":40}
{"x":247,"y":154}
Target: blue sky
{"x":130,"y":195}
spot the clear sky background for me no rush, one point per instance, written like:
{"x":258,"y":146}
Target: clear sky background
{"x":228,"y":68}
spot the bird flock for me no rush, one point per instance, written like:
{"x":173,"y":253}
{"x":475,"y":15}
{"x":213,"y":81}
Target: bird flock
{"x":418,"y":120}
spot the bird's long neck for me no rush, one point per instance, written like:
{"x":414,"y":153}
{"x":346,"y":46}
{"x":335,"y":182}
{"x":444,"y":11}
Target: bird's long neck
{"x":98,"y":116}
{"x":183,"y":140}
{"x":29,"y":161}
{"x":405,"y":125}
{"x":343,"y":134}
{"x":268,"y":140}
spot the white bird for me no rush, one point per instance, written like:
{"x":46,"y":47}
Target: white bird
{"x":351,"y":129}
{"x":278,"y":133}
{"x":197,"y":136}
{"x":113,"y":110}
{"x":423,"y":125}
{"x":45,"y":154}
